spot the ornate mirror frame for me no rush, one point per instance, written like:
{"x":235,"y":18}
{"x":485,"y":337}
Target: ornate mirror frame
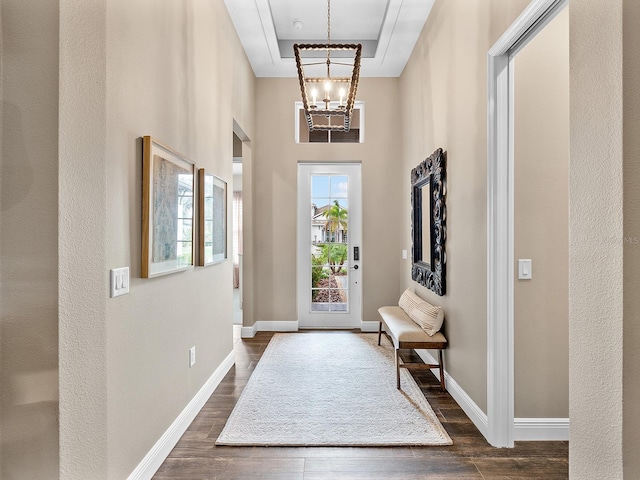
{"x":428,"y":191}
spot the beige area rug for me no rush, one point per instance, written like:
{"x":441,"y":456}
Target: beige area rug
{"x":331,"y":388}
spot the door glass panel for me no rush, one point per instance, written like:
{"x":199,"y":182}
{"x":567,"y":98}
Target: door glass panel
{"x":329,"y":243}
{"x":339,"y":186}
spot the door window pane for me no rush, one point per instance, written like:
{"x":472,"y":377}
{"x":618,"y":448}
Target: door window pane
{"x":329,"y":248}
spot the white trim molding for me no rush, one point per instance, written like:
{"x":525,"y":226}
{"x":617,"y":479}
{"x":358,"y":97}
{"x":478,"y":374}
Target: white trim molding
{"x":269,"y":326}
{"x":249,"y":332}
{"x":542,"y":429}
{"x":525,"y":429}
{"x":500,"y":218}
{"x":473,"y":411}
{"x":292,"y":326}
{"x":159,"y":452}
{"x":369,"y":326}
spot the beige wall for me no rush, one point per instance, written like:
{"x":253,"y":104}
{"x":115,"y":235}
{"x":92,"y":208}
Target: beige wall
{"x":443,"y":104}
{"x":541,"y":305}
{"x":631,"y":345}
{"x":276,"y":155}
{"x":136,"y":347}
{"x":82,"y":275}
{"x":174,"y":70}
{"x":28,"y":240}
{"x":596,"y":241}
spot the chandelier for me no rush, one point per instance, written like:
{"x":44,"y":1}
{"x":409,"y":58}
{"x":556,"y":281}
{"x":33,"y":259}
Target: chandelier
{"x":328,"y":100}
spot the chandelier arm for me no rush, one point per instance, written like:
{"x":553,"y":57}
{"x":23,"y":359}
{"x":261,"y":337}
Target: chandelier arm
{"x":326,"y":46}
{"x":323,"y":79}
{"x":343,"y":64}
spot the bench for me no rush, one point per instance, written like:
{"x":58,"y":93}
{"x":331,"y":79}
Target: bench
{"x":406,"y":334}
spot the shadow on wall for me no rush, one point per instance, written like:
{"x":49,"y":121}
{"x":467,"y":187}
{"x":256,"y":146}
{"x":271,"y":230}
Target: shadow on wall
{"x":28,"y":309}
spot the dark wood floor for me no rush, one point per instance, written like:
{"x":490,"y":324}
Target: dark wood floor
{"x":195,"y":457}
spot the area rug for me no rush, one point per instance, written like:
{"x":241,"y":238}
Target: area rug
{"x":333,"y":388}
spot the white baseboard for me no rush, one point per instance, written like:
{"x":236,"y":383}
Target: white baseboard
{"x":265,"y":326}
{"x":152,"y":460}
{"x":367,"y":326}
{"x":473,"y":411}
{"x":249,"y":332}
{"x":291,"y":326}
{"x":525,"y":429}
{"x":542,"y":429}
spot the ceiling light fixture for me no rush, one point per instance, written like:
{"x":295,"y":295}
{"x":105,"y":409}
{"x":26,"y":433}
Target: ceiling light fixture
{"x":328,"y":114}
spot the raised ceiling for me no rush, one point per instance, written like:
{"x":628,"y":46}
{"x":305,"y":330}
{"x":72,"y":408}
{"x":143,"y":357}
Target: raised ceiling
{"x":387,"y":29}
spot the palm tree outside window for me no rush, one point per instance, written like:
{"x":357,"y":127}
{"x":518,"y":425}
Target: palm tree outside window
{"x":336,"y":223}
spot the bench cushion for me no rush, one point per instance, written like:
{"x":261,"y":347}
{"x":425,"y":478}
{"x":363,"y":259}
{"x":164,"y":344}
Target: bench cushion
{"x":427,"y":316}
{"x":405,"y":330}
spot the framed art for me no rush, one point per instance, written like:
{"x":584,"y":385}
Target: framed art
{"x":212,"y":215}
{"x":168,"y":181}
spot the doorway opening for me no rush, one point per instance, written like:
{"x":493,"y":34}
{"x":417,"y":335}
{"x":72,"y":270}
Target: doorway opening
{"x":329,"y":246}
{"x":237,"y":238}
{"x":500,"y":218}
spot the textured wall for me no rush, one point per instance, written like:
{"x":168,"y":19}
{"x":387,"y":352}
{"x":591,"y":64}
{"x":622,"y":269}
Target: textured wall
{"x":631,"y":346}
{"x":28,"y":240}
{"x":176,"y":71}
{"x":541,"y":188}
{"x":444,"y":104}
{"x":596,"y":240}
{"x":276,"y":157}
{"x":82,"y":275}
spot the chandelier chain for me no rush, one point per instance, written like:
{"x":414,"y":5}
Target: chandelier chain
{"x":329,"y":22}
{"x":328,"y":38}
{"x":315,"y":112}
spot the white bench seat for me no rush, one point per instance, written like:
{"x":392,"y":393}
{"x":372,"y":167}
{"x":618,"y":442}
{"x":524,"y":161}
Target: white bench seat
{"x":406,"y":334}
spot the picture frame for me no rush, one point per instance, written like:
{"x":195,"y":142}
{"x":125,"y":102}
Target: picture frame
{"x":428,"y":222}
{"x":212,"y":219}
{"x":168,"y":201}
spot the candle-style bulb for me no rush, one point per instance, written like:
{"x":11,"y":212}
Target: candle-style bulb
{"x":327,"y":94}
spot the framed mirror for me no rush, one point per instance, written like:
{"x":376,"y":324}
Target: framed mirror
{"x":428,"y":229}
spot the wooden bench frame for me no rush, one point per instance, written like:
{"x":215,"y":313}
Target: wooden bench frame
{"x":415,"y":345}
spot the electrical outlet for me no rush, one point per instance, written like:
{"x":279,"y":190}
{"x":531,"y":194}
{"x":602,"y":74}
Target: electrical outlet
{"x":192,"y":356}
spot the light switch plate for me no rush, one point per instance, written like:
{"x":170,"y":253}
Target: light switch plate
{"x":404,"y":254}
{"x":192,"y":356}
{"x":524,"y":269}
{"x":119,"y":281}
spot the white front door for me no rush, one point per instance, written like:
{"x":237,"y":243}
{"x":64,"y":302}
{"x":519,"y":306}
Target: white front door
{"x":329,"y":245}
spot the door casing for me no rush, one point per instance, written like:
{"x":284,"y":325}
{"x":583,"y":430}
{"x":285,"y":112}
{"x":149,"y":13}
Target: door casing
{"x":333,"y":320}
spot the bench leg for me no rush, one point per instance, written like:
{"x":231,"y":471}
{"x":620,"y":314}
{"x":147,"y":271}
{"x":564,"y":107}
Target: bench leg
{"x":398,"y":368}
{"x":440,"y":357}
{"x":379,"y":331}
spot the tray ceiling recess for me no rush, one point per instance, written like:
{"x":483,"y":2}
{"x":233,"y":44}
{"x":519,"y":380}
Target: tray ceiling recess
{"x":387,"y":29}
